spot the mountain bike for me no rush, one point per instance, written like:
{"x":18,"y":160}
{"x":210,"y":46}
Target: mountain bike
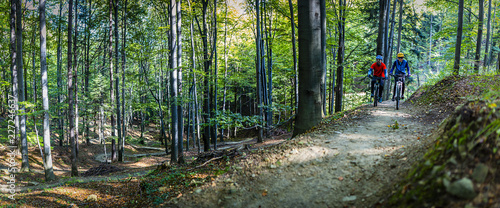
{"x":376,"y":89}
{"x":399,"y":88}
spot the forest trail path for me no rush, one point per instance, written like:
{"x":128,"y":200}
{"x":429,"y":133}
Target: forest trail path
{"x":352,"y":164}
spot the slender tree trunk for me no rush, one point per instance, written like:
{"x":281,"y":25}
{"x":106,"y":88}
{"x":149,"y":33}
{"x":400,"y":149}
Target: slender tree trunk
{"x":387,"y":87}
{"x":195,"y":92}
{"x":498,"y":64}
{"x":49,"y":174}
{"x":323,"y":52}
{"x":488,"y":29}
{"x":493,"y":43}
{"x":296,"y":77}
{"x":71,"y":112}
{"x":59,"y":79}
{"x":339,"y":93}
{"x":477,"y":60}
{"x":216,"y":126}
{"x":117,"y":83}
{"x":180,"y":116}
{"x":309,"y":112}
{"x":458,"y":44}
{"x":381,"y":28}
{"x":223,"y":130}
{"x":33,"y":72}
{"x":13,"y":65}
{"x":258,"y":69}
{"x":87,"y":69}
{"x":110,"y":59}
{"x":400,"y":25}
{"x":124,"y":38}
{"x":206,"y":92}
{"x":75,"y":78}
{"x":21,"y":87}
{"x":173,"y":81}
{"x":430,"y":44}
{"x":332,"y":76}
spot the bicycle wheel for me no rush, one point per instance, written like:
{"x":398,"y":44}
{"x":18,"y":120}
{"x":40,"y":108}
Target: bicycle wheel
{"x":397,"y":96}
{"x":375,"y":96}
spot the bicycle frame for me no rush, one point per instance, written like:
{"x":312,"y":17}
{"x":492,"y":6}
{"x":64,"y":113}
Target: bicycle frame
{"x":399,"y":89}
{"x":376,"y":88}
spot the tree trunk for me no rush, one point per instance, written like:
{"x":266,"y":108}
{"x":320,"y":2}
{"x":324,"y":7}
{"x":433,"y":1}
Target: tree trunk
{"x":488,"y":29}
{"x":33,"y":72}
{"x":206,"y":92}
{"x":381,"y":28}
{"x":49,"y":174}
{"x":75,"y":78}
{"x":71,"y":112}
{"x":215,"y":90}
{"x":224,"y":96}
{"x":498,"y":64}
{"x":387,"y":87}
{"x":110,"y":59}
{"x":332,"y":77}
{"x":296,"y":78}
{"x":458,"y":44}
{"x":323,"y":52}
{"x":124,"y":38}
{"x":430,"y":44}
{"x":180,"y":116}
{"x":195,"y":92}
{"x":386,"y":31}
{"x":21,"y":87}
{"x":176,"y":81}
{"x":339,"y":93}
{"x":59,"y":79}
{"x":477,"y":60}
{"x":13,"y":66}
{"x":258,"y":69}
{"x":113,"y":150}
{"x":117,"y":83}
{"x":309,"y":112}
{"x":87,"y":68}
{"x":269,"y":97}
{"x":400,"y":25}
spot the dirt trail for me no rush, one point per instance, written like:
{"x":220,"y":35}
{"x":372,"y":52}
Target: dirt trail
{"x":353,"y":164}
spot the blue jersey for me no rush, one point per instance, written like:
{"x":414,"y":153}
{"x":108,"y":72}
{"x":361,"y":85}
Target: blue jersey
{"x":401,"y":67}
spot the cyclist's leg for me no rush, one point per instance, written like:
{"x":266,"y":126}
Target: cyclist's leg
{"x":403,"y":90}
{"x":372,"y":86}
{"x":394,"y":89}
{"x":381,"y":88}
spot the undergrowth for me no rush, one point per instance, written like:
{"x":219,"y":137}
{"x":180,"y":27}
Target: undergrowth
{"x":470,"y":137}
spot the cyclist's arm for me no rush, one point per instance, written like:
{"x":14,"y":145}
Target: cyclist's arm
{"x":392,"y":68}
{"x":408,"y":68}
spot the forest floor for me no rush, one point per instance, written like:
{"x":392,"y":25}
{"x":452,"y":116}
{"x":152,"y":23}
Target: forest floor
{"x":353,"y":159}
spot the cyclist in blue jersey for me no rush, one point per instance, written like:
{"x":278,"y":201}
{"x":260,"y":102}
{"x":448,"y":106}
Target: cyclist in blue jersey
{"x":402,"y":69}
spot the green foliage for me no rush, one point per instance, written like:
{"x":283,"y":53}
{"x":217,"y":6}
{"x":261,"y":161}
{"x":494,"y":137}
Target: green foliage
{"x":395,"y":125}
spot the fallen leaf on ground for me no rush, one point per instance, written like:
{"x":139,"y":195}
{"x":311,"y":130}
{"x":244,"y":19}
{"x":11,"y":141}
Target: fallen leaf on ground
{"x":264,"y":193}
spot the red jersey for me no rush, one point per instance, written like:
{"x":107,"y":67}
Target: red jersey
{"x":378,"y":71}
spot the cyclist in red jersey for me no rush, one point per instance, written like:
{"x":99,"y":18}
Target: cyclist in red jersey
{"x":379,"y":71}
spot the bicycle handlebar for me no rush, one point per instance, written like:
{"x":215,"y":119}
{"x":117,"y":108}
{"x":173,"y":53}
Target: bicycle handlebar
{"x":371,"y":77}
{"x":392,"y":75}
